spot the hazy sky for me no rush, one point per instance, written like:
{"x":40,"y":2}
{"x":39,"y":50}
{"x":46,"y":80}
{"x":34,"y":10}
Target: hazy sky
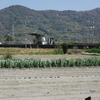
{"x":78,"y":5}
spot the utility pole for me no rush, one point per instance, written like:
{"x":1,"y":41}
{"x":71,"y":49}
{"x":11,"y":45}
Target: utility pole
{"x":13,"y":32}
{"x":92,"y":31}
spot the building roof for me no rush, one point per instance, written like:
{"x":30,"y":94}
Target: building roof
{"x":36,"y":34}
{"x":39,"y":35}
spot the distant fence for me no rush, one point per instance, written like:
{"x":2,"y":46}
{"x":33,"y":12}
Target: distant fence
{"x":83,"y":46}
{"x":70,"y":46}
{"x":27,"y":46}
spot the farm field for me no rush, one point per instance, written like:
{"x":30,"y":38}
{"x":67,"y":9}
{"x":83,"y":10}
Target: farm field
{"x":70,"y":83}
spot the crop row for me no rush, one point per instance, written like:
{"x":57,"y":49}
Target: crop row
{"x":38,"y":63}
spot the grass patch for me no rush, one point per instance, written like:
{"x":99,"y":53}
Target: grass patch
{"x":93,"y":51}
{"x":37,"y":51}
{"x":69,"y":52}
{"x":26,"y":51}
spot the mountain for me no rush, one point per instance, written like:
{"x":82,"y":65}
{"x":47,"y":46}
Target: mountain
{"x":65,"y":25}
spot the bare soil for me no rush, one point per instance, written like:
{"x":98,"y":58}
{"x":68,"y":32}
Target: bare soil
{"x":70,"y":83}
{"x":51,"y":57}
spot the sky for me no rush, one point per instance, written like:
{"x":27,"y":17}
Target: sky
{"x":77,"y":5}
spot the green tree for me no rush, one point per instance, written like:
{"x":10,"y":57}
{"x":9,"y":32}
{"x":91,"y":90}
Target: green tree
{"x":9,"y":38}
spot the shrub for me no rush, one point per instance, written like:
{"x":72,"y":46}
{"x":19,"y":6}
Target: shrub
{"x":64,"y":48}
{"x":8,"y":56}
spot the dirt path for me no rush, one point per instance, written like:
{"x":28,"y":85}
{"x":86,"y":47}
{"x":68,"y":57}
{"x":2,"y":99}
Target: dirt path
{"x":51,"y":57}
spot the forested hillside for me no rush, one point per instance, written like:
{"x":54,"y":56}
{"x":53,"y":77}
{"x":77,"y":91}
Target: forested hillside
{"x":62,"y":25}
